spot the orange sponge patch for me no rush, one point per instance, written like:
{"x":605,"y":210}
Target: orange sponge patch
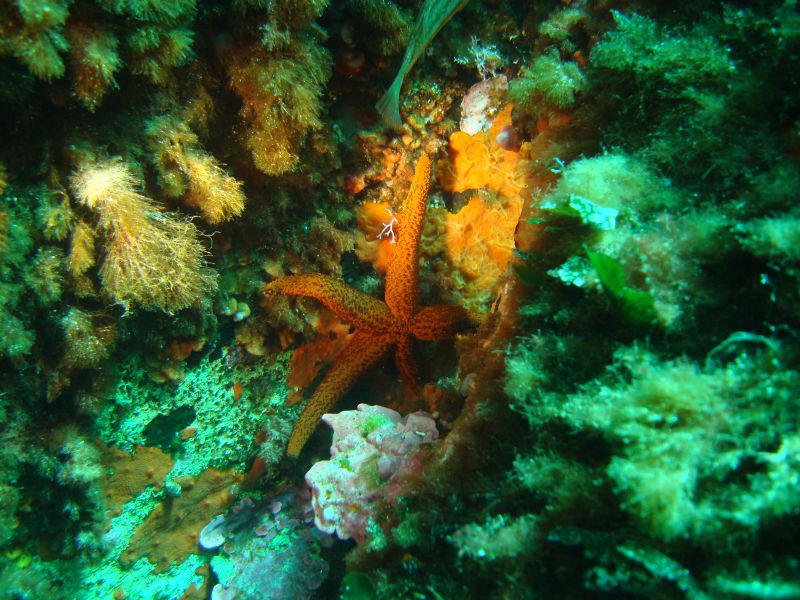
{"x":480,"y":239}
{"x":478,"y":161}
{"x":370,"y":219}
{"x":309,"y":359}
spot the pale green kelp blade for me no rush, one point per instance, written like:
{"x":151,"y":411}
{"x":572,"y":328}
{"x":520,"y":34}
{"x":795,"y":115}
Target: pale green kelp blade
{"x":434,"y":15}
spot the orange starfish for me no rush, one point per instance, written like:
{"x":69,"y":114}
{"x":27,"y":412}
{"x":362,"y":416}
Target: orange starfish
{"x":380,"y":326}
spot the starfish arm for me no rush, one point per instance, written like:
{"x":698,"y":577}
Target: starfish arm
{"x":439,"y":322}
{"x":362,"y":351}
{"x":407,"y":363}
{"x":401,"y":277}
{"x":351,"y":306}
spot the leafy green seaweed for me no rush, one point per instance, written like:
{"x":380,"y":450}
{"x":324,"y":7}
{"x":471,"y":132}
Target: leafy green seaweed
{"x":636,"y":305}
{"x":357,"y":586}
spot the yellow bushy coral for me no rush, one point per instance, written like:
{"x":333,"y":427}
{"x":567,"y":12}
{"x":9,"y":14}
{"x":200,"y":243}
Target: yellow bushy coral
{"x":44,"y":274}
{"x":3,"y":229}
{"x":281,"y":95}
{"x":3,"y":178}
{"x":158,"y":49}
{"x":81,"y":249}
{"x":218,"y":195}
{"x":55,"y":217}
{"x":186,"y":169}
{"x":94,"y":61}
{"x":152,"y":259}
{"x":88,"y":338}
{"x":284,"y":17}
{"x":33,"y":33}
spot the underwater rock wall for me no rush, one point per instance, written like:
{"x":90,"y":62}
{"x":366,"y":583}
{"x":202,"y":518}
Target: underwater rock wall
{"x":592,"y":315}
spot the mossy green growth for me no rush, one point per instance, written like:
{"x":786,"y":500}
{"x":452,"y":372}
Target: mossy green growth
{"x":499,"y":537}
{"x":374,"y":422}
{"x":600,"y":189}
{"x":682,"y":96}
{"x":681,"y":434}
{"x":31,"y":272}
{"x":636,"y":305}
{"x":652,"y":54}
{"x":774,"y":238}
{"x":546,"y":85}
{"x":158,"y":11}
{"x":225,"y":427}
{"x":44,"y":275}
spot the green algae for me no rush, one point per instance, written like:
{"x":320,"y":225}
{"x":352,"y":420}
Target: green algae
{"x":636,"y":305}
{"x":225,"y":429}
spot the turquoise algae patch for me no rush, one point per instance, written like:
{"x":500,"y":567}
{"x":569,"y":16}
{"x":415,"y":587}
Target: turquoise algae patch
{"x":225,"y":428}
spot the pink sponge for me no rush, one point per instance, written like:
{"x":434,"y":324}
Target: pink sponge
{"x":371,"y":446}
